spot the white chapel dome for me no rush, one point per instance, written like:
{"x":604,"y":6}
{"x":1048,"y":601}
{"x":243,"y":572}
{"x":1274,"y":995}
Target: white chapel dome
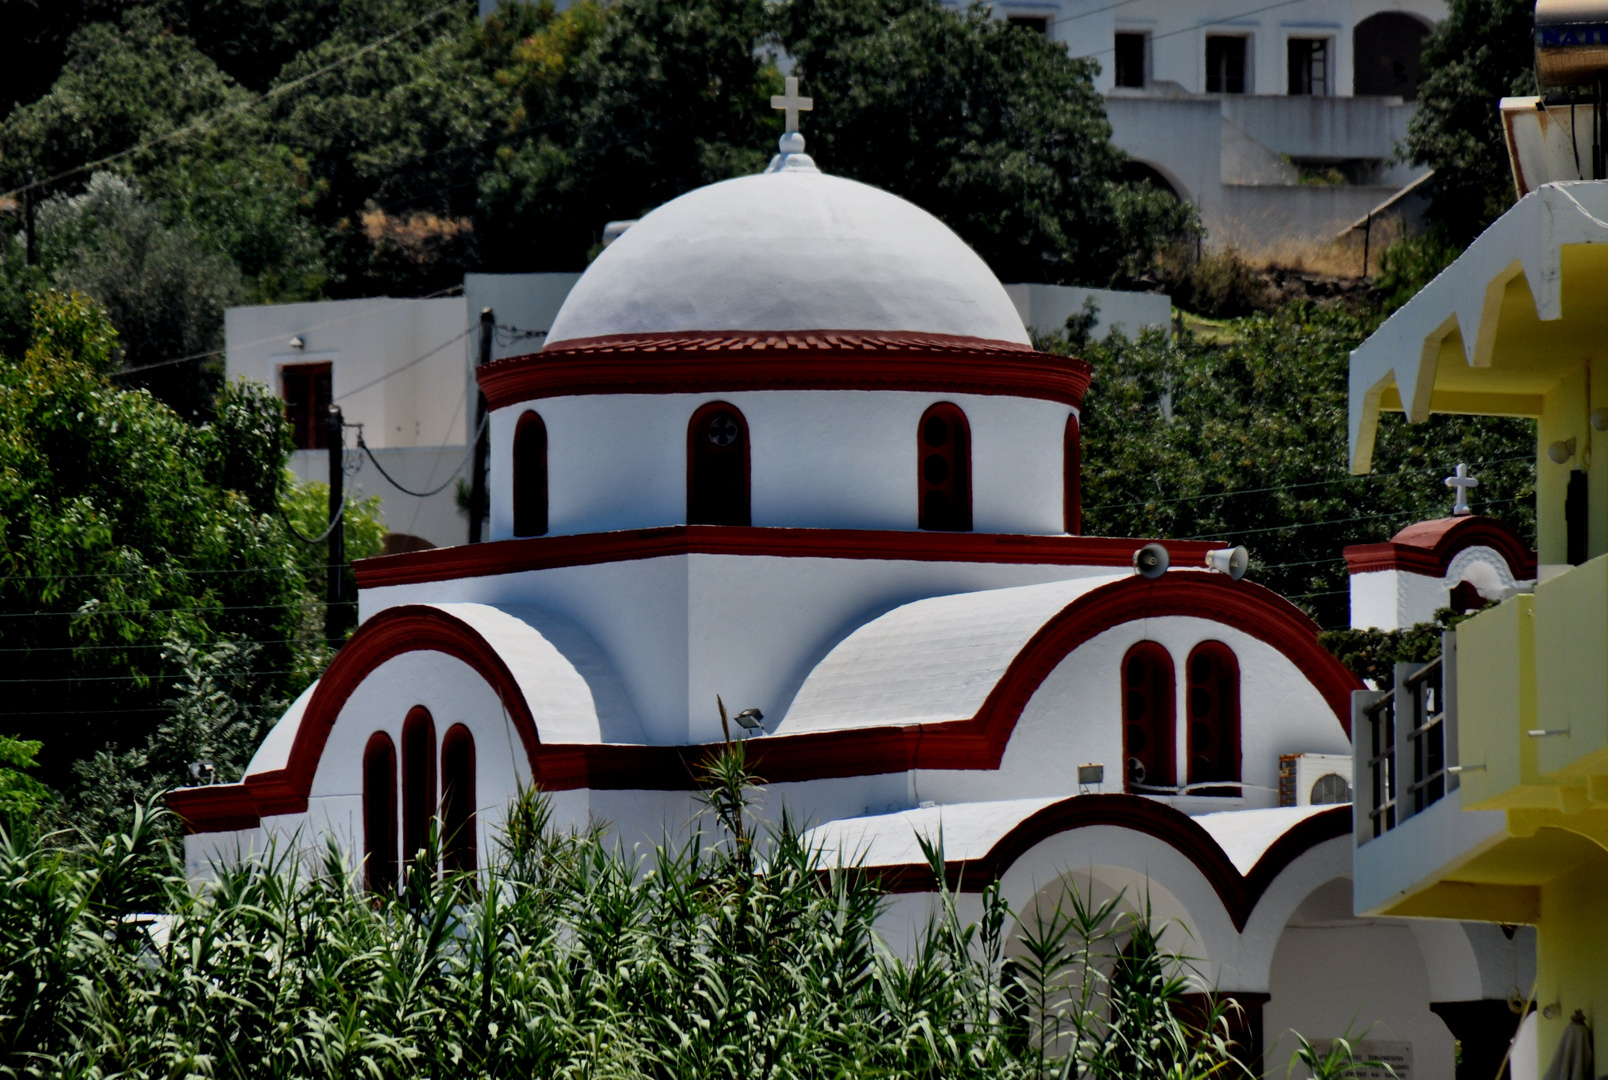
{"x":790,"y":250}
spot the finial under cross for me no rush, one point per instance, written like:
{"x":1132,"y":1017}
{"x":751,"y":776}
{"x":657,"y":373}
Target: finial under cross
{"x":791,"y":104}
{"x":1461,"y":481}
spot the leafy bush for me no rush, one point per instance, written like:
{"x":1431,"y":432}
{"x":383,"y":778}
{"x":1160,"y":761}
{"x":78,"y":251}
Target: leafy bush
{"x":737,"y":952}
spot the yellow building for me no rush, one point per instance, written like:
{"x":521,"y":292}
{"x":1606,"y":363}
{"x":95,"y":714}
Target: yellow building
{"x":1482,"y":791}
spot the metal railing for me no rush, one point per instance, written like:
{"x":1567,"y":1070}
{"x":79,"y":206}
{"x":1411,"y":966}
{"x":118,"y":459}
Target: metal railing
{"x":1405,"y":743}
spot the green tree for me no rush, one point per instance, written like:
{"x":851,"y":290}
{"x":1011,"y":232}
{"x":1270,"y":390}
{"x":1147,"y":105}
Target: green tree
{"x":1480,"y":52}
{"x":1242,"y":438}
{"x":995,"y":130}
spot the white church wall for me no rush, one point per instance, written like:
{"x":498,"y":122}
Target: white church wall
{"x":822,"y":459}
{"x":1333,"y":974}
{"x":681,"y":629}
{"x":1075,"y":717}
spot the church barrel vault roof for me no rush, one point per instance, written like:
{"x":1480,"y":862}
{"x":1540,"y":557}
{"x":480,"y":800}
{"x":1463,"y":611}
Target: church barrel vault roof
{"x":975,"y":742}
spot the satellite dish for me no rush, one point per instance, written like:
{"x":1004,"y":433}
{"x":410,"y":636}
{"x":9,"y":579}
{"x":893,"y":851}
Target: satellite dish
{"x":1231,"y":561}
{"x":1150,"y":561}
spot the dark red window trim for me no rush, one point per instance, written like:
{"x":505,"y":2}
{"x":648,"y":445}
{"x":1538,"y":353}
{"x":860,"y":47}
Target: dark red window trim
{"x":718,"y":466}
{"x":307,"y":389}
{"x":943,"y":469}
{"x":1148,"y":727}
{"x":1212,"y":705}
{"x":418,"y":781}
{"x":379,"y":814}
{"x":1072,"y":479}
{"x":458,"y":841}
{"x":530,"y":475}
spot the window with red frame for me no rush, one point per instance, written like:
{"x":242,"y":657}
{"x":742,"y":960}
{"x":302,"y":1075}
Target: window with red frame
{"x":306,"y":388}
{"x":943,"y":477}
{"x":530,"y":476}
{"x":379,"y":814}
{"x":1147,"y":718}
{"x":458,"y":800}
{"x":717,"y":466}
{"x":418,"y":780}
{"x":1072,"y":484}
{"x":1214,"y":718}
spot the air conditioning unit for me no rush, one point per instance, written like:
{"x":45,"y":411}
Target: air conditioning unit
{"x":1314,"y":779}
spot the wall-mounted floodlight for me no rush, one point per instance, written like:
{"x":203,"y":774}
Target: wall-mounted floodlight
{"x":297,"y":343}
{"x":1151,"y":561}
{"x":750,"y":720}
{"x":203,"y":772}
{"x":1561,"y":451}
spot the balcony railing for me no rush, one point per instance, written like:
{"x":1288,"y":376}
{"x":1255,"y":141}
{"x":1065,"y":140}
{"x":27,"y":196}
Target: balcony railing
{"x":1405,"y":743}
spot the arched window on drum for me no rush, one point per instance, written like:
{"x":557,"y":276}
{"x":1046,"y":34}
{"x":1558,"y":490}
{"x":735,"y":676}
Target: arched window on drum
{"x":418,"y":781}
{"x":1147,"y":719}
{"x":458,"y":800}
{"x":717,"y":466}
{"x":943,"y":469}
{"x":379,"y":814}
{"x":1072,"y":478}
{"x":530,"y":476}
{"x":1214,"y":718}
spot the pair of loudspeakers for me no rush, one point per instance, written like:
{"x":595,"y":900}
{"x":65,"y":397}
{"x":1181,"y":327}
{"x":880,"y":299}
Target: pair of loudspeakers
{"x":1151,"y":561}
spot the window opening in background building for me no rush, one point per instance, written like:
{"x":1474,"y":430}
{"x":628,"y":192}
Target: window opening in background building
{"x":306,"y":388}
{"x":1147,"y":718}
{"x":530,"y":476}
{"x":943,"y":472}
{"x":1039,"y":24}
{"x":717,"y":466}
{"x":458,"y":800}
{"x":418,"y":780}
{"x":1386,"y":50}
{"x":1309,"y":66}
{"x":1214,"y":718}
{"x":379,"y":814}
{"x":1130,"y":60}
{"x":1225,"y":64}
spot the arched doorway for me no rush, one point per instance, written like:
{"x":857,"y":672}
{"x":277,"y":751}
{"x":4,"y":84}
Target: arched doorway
{"x":1139,"y":172}
{"x":1387,"y":52}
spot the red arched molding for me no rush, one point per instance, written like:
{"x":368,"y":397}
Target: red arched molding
{"x":530,"y":475}
{"x":717,"y":466}
{"x":1428,"y":547}
{"x":1239,"y":893}
{"x":418,"y":781}
{"x":1072,"y":482}
{"x":458,"y":800}
{"x":1149,"y":744}
{"x":379,"y":814}
{"x":1212,"y":704}
{"x":715,"y":363}
{"x":943,"y":469}
{"x":977,"y":743}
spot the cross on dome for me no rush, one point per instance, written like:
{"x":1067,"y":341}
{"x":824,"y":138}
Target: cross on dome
{"x":790,"y":104}
{"x":1461,"y":482}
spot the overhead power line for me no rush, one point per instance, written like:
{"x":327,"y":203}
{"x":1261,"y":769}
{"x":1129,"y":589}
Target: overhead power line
{"x":213,"y":119}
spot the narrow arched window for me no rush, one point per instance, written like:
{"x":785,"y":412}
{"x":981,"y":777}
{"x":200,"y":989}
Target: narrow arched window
{"x":458,"y":799}
{"x":1072,"y":482}
{"x":530,"y":476}
{"x":1147,"y":718}
{"x":379,"y":814}
{"x":418,"y":781}
{"x":1214,"y":718}
{"x":717,"y":466}
{"x":943,"y":478}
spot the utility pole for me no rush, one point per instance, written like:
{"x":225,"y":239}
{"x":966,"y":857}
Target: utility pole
{"x":482,"y":448}
{"x":335,"y":599}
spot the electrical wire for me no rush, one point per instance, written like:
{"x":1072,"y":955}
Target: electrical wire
{"x":417,"y":360}
{"x":207,"y":122}
{"x":321,"y":537}
{"x":363,"y":446}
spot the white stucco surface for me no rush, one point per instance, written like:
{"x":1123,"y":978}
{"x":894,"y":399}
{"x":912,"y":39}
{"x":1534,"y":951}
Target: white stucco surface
{"x":935,"y":659}
{"x":968,"y":831}
{"x":1245,"y":835}
{"x":788,"y":251}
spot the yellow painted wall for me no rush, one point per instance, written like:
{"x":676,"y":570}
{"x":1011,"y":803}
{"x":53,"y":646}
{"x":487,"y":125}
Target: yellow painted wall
{"x":1565,"y":413}
{"x":1572,"y":954}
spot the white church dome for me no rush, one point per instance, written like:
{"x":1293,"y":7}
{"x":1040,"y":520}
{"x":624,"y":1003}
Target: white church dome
{"x":788,"y":250}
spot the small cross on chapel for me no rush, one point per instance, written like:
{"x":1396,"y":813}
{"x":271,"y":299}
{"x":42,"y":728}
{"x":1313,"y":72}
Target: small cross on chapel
{"x":790,"y":104}
{"x":1461,"y":482}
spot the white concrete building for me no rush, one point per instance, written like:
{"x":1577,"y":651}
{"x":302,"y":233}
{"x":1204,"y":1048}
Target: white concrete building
{"x":788,"y":443}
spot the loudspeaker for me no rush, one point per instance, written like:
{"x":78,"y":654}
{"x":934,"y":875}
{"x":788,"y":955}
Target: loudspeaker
{"x":1231,"y":561}
{"x":1150,"y":561}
